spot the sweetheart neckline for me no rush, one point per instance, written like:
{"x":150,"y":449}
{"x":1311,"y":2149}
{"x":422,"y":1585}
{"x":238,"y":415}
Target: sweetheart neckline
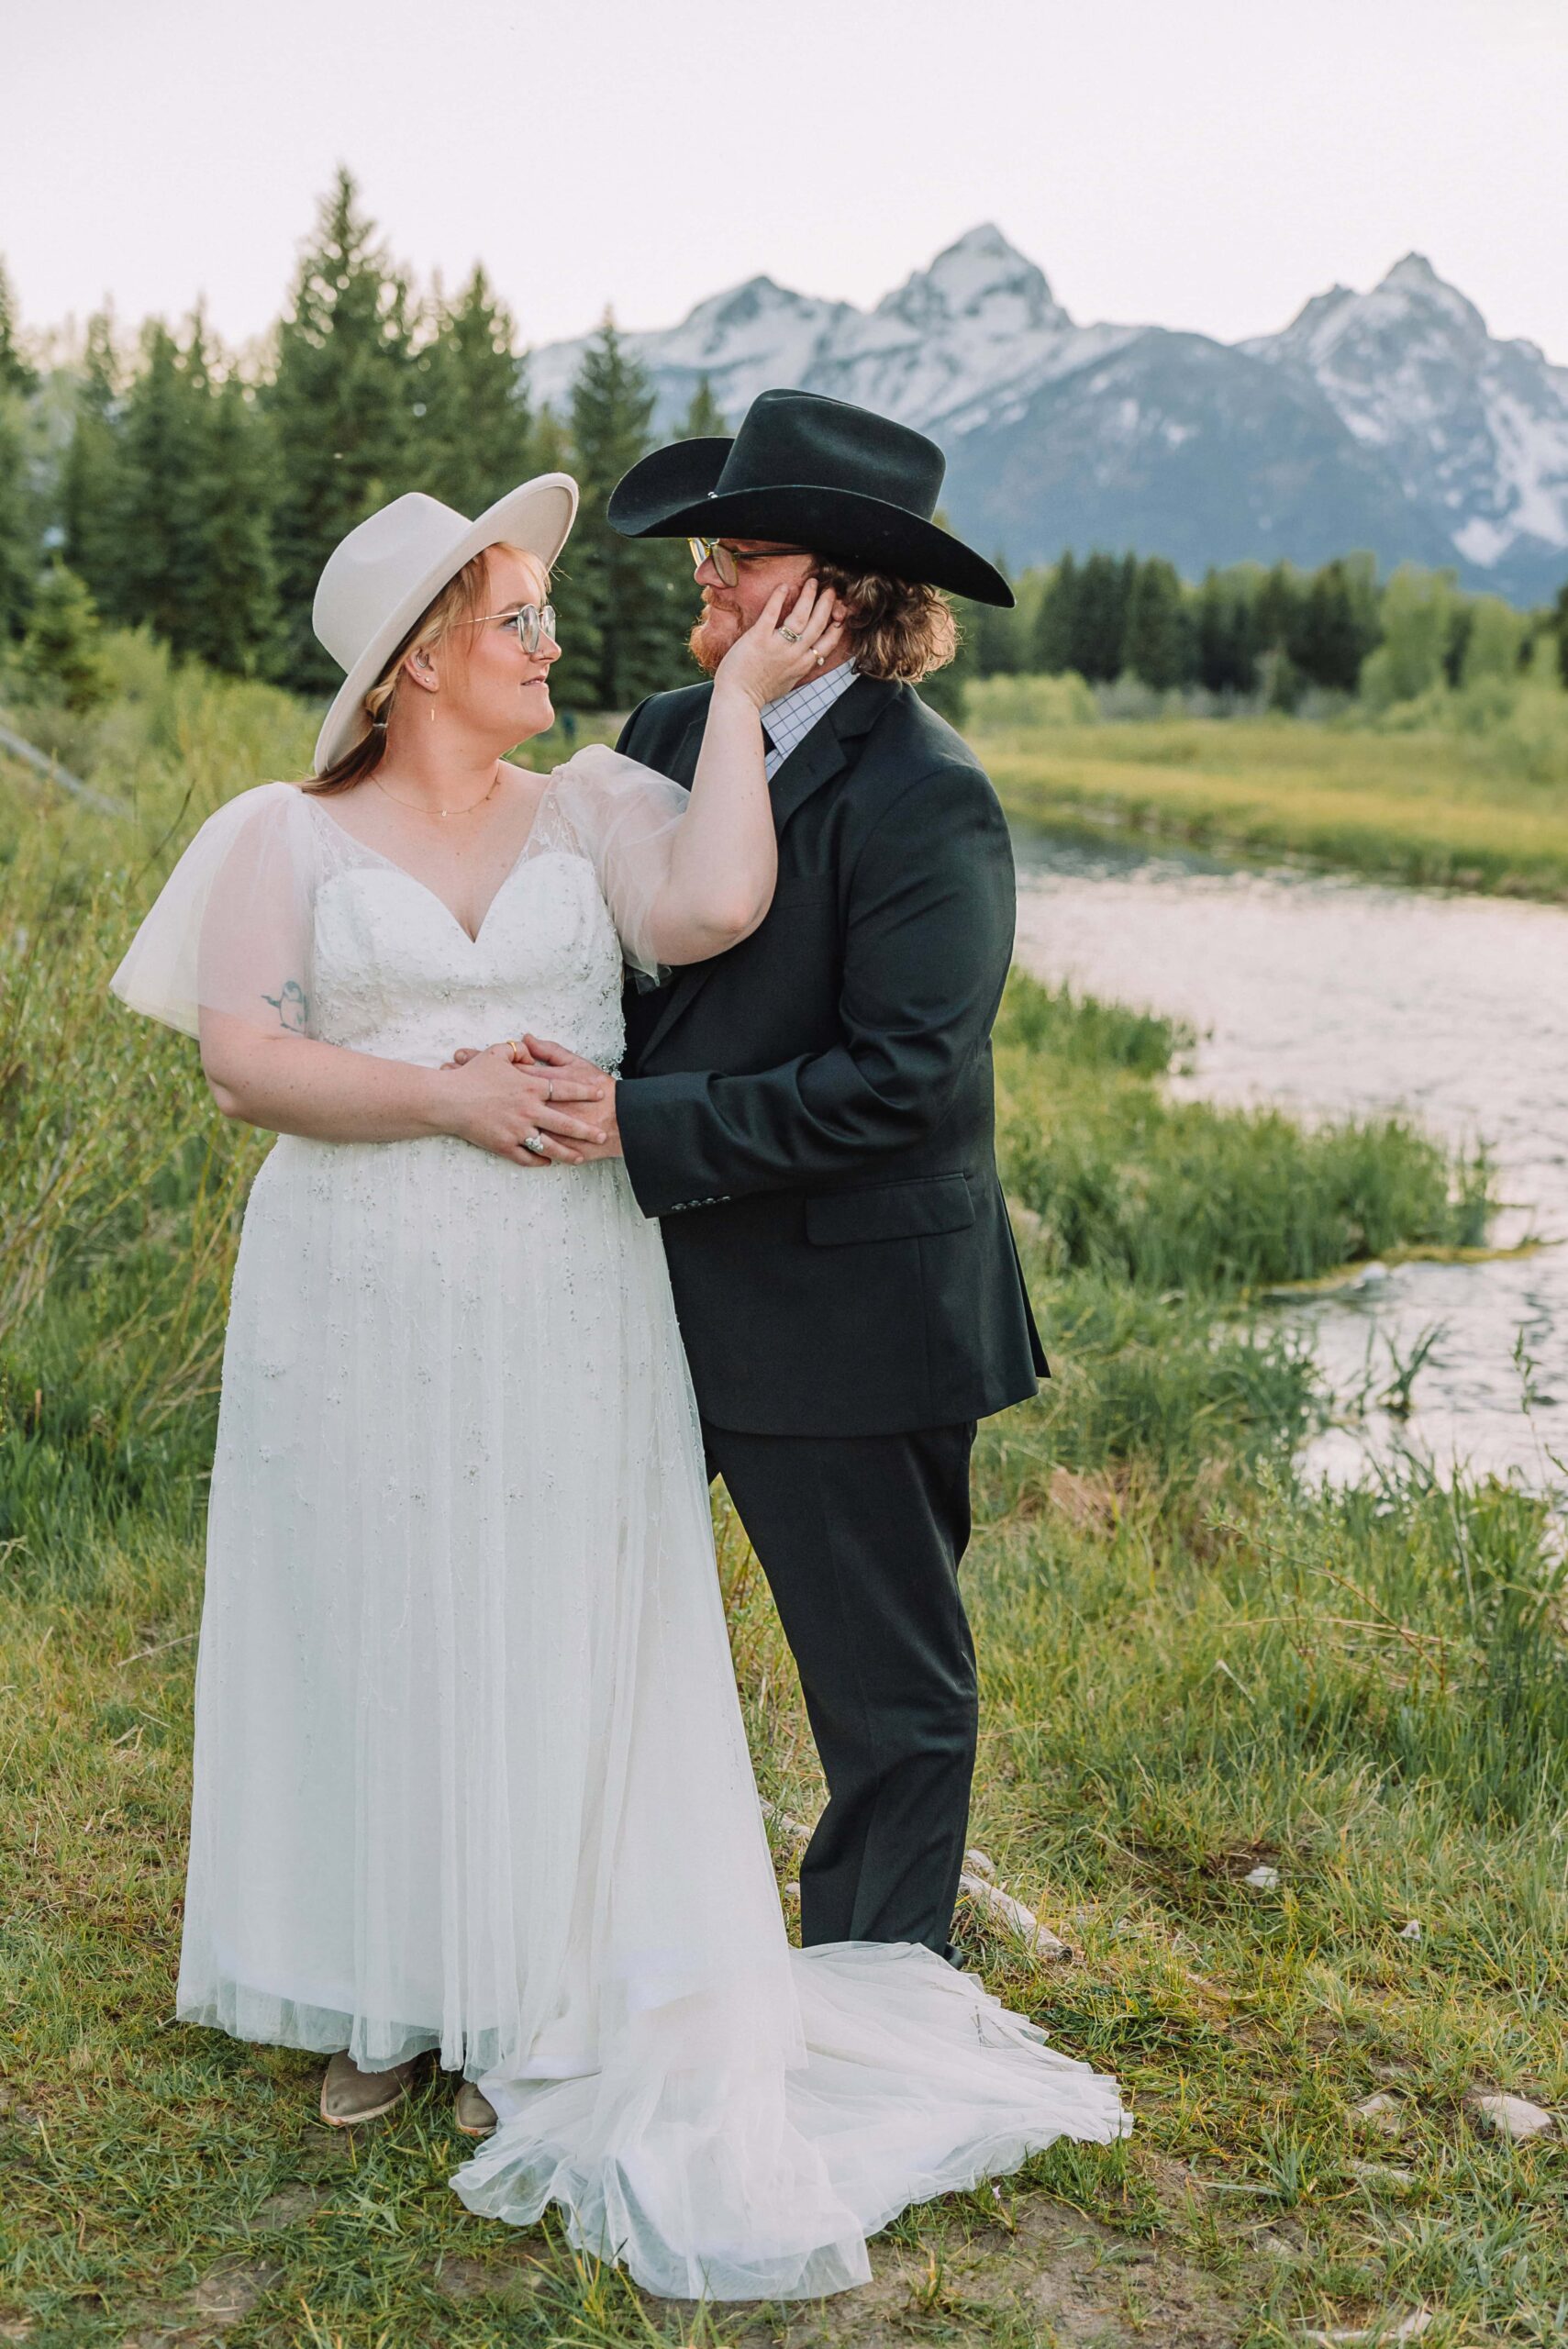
{"x":472,"y":936}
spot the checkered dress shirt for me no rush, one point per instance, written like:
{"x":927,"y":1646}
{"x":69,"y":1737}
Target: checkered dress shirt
{"x":788,"y":722}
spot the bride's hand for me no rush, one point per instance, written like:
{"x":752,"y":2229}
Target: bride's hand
{"x":498,"y":1104}
{"x":766,"y":662}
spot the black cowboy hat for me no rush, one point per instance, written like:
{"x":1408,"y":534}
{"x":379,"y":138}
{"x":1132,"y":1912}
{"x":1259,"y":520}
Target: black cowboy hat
{"x":818,"y":474}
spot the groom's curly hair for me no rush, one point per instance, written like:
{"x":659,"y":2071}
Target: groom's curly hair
{"x":899,"y":630}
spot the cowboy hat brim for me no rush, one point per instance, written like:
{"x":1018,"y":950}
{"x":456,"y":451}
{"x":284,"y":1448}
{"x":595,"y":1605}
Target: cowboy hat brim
{"x":538,"y":516}
{"x":671,"y":495}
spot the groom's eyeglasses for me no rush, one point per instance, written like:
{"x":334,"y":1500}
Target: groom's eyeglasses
{"x":532,"y":624}
{"x":727,"y":559}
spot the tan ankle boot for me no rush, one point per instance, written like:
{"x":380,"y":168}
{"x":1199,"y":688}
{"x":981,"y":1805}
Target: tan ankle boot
{"x":474,"y":2113}
{"x":350,"y":2097}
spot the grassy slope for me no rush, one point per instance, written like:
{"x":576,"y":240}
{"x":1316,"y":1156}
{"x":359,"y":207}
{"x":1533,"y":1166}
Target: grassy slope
{"x":1433,"y":806}
{"x":1190,"y":1666}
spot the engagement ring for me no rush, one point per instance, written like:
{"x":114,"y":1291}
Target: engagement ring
{"x":535,"y":1141}
{"x":790,"y":635}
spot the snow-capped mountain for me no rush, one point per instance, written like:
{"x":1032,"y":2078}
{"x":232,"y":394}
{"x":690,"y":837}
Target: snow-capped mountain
{"x":950,"y":344}
{"x":1390,"y":419}
{"x":1474,"y":430}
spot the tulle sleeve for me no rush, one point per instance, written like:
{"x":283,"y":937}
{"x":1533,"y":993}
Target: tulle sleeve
{"x":624,"y":817}
{"x":232,"y":927}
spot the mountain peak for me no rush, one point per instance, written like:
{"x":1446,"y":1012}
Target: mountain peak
{"x":1416,"y":271}
{"x":1415,"y":280}
{"x":979,"y":274}
{"x":1411,"y":300}
{"x":753,"y":298}
{"x":985,"y":239}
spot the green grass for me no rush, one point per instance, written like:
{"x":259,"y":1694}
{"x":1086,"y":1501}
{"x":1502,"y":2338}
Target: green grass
{"x":1170,"y":1195}
{"x":1191,"y":1666}
{"x":1431,"y":801}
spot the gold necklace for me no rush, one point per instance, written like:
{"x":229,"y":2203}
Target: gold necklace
{"x":414,"y":807}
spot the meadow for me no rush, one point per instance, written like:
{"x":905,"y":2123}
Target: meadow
{"x":1466,"y":790}
{"x":1195,"y":1668}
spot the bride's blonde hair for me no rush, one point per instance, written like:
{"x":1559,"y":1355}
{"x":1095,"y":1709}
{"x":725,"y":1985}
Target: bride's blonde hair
{"x":460,"y":601}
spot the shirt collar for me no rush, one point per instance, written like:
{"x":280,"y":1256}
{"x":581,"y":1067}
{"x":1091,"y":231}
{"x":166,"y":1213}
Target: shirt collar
{"x":789,"y":720}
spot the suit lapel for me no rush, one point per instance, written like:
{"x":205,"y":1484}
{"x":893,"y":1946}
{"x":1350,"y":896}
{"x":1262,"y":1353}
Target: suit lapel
{"x":683,"y":766}
{"x":828,"y":747}
{"x":825,"y":751}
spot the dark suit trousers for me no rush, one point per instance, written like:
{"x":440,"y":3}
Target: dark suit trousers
{"x":861,"y":1538}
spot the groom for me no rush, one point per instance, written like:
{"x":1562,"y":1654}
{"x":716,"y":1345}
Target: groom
{"x":810,"y":1115}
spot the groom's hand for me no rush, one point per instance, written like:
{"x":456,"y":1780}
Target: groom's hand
{"x":571,"y":1067}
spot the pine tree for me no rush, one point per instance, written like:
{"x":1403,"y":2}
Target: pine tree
{"x":235,"y":614}
{"x":1099,"y":616}
{"x":549,"y":443}
{"x":705,"y":417}
{"x":1056,"y":620}
{"x":1560,"y":631}
{"x":1278,"y":609}
{"x":19,"y":506}
{"x":473,"y":440}
{"x":18,"y":539}
{"x":161,"y":516}
{"x":60,"y":656}
{"x":1330,"y":639}
{"x":339,"y":406}
{"x":93,"y":477}
{"x":623,"y":622}
{"x":995,"y":635}
{"x":1226,"y":634}
{"x":16,"y":376}
{"x":1156,"y":647}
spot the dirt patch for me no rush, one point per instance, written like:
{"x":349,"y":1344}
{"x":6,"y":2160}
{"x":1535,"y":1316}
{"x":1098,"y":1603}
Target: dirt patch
{"x":1055,"y":2277}
{"x":200,"y":2317}
{"x":1091,"y":1502}
{"x":494,"y":2279}
{"x":288,"y":2207}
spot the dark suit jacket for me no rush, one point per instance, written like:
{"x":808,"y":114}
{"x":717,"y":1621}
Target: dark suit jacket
{"x":811,"y":1113}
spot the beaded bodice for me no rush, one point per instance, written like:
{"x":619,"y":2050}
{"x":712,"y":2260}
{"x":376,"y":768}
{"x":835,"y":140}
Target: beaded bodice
{"x":396,"y":973}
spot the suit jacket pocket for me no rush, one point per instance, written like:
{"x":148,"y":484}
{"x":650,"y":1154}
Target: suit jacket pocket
{"x":910,"y":1210}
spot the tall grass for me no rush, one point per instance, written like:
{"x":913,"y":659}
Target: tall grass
{"x":1467,"y":789}
{"x":1179,"y":1195}
{"x":1191,"y":1666}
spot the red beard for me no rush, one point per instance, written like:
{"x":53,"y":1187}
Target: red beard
{"x":707,"y":644}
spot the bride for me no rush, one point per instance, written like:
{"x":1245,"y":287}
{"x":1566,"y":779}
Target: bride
{"x":470,"y":1770}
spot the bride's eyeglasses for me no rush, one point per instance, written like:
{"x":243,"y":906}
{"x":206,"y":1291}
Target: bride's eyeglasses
{"x":727,"y":559}
{"x":532,"y":623}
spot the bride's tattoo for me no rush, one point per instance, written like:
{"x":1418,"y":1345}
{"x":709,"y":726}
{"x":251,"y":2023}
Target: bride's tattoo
{"x":292,"y":1005}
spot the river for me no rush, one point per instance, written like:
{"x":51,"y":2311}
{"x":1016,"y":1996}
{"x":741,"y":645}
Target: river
{"x":1327,"y":996}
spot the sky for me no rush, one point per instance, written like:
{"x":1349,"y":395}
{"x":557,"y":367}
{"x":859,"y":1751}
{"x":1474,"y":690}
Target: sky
{"x":1208,"y":166}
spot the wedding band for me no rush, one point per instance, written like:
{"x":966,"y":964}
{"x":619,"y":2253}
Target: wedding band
{"x":535,"y":1141}
{"x":790,"y":635}
{"x":515,"y":1049}
{"x":549,"y":1091}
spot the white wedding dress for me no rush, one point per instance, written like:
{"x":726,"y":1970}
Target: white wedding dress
{"x":469,"y":1767}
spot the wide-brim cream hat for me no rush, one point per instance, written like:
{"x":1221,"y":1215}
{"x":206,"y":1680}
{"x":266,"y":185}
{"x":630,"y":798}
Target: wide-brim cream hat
{"x":389,"y":569}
